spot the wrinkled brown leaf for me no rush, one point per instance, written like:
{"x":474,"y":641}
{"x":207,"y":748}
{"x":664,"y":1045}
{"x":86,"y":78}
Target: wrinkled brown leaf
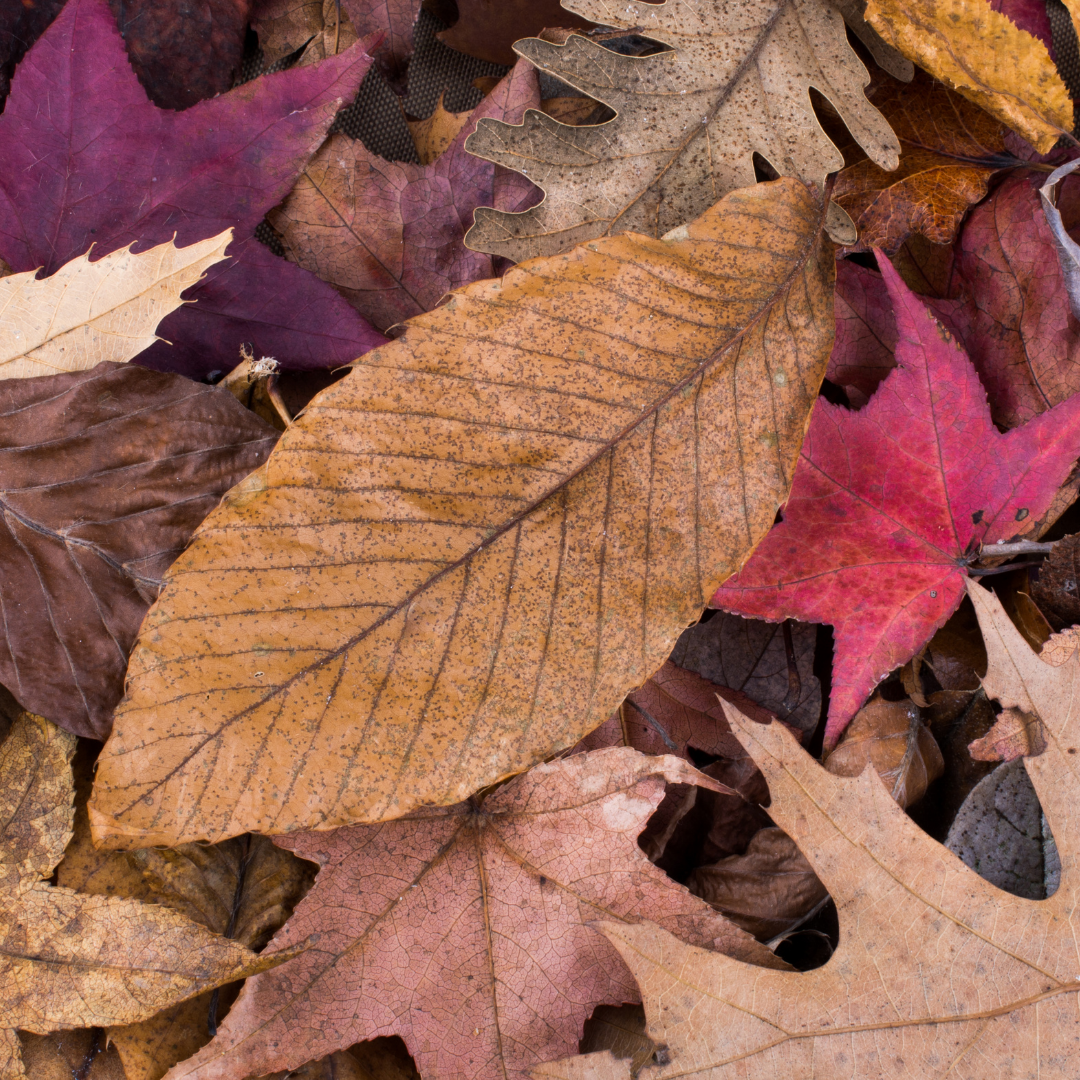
{"x":384,"y":1058}
{"x":70,"y":1055}
{"x":620,"y":1029}
{"x":890,"y":736}
{"x":69,"y":960}
{"x":433,"y":135}
{"x":1057,"y":588}
{"x":462,"y":556}
{"x":88,"y":312}
{"x":1014,"y":734}
{"x":688,"y":121}
{"x":104,"y":475}
{"x":488,"y":28}
{"x":465,"y":930}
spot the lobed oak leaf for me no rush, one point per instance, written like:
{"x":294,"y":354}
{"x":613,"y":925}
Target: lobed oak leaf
{"x":462,"y":556}
{"x":465,"y":930}
{"x":688,"y":121}
{"x":104,"y":475}
{"x":985,"y":56}
{"x":68,"y":960}
{"x":388,"y":235}
{"x":936,"y":969}
{"x":76,"y":173}
{"x":890,"y":504}
{"x":90,"y":312}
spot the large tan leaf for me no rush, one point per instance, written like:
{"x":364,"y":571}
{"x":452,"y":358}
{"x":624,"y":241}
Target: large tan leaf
{"x":938,"y":973}
{"x":983,"y":54}
{"x":462,"y":555}
{"x":88,"y":312}
{"x":68,"y":960}
{"x":688,"y":121}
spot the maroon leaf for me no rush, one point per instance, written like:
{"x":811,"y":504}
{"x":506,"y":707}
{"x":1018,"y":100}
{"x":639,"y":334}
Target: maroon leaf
{"x":889,"y":504}
{"x":104,"y":475}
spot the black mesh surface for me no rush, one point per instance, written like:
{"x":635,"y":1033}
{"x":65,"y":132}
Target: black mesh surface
{"x":376,"y":119}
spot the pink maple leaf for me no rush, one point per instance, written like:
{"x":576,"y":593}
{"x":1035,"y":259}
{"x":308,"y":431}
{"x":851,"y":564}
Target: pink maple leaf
{"x":890,"y":505}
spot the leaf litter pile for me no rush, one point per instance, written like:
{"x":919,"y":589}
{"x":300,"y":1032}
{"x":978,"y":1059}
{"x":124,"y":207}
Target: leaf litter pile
{"x":539,"y":541}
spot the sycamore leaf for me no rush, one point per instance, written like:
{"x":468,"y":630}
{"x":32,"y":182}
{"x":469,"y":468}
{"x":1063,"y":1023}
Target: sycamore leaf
{"x":388,"y":235}
{"x":936,"y":969}
{"x":89,"y":312}
{"x":949,"y":149}
{"x":688,"y":121}
{"x":104,"y":475}
{"x":69,"y":960}
{"x":85,"y":178}
{"x":891,"y":503}
{"x":465,"y":930}
{"x":985,"y":56}
{"x":488,"y":28}
{"x":462,"y":556}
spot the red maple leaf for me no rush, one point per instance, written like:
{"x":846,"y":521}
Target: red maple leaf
{"x":891,"y":504}
{"x":89,"y":160}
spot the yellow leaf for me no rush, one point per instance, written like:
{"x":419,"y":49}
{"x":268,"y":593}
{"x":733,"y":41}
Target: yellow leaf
{"x":88,"y":312}
{"x":985,"y":56}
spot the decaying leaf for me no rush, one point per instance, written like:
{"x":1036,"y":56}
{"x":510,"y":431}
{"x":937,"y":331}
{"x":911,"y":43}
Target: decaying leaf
{"x":388,"y":234}
{"x":68,"y":960}
{"x":462,"y":556}
{"x":287,"y":26}
{"x":1057,"y":590}
{"x":433,"y":135}
{"x":985,"y":56}
{"x":104,"y":475}
{"x":488,"y":28}
{"x":977,"y":983}
{"x":1067,"y":248}
{"x":890,"y":736}
{"x":464,"y":930}
{"x":1015,"y":734}
{"x":688,"y":121}
{"x":891,"y":503}
{"x":89,"y":312}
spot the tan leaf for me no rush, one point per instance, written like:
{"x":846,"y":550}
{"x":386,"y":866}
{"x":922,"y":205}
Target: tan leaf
{"x":891,"y":736}
{"x":88,"y":312}
{"x":284,"y":26}
{"x":937,"y":971}
{"x":433,"y":135}
{"x":462,"y":556}
{"x":688,"y":121}
{"x":70,"y":1055}
{"x":1014,"y":734}
{"x":983,"y":54}
{"x":68,"y":960}
{"x":620,"y":1029}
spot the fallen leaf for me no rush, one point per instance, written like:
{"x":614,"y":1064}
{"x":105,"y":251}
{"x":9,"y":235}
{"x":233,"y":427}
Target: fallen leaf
{"x":1014,"y":734}
{"x":433,"y":135}
{"x":891,"y":503}
{"x":907,"y":992}
{"x":395,"y":20}
{"x":464,"y":930}
{"x":687,"y":124}
{"x":985,"y":56}
{"x":66,"y":1055}
{"x":20,"y":26}
{"x":890,"y":736}
{"x":1000,"y":832}
{"x":183,"y":50}
{"x":1068,"y":250}
{"x":1057,"y":588}
{"x":949,"y":149}
{"x":285,"y":27}
{"x":489,"y":505}
{"x":385,"y":1058}
{"x":863,"y":351}
{"x":85,"y":177}
{"x":388,"y":235}
{"x":620,"y":1029}
{"x":488,"y":28}
{"x":104,"y":474}
{"x":569,"y":110}
{"x":885,"y":56}
{"x":1060,"y":647}
{"x":89,"y":312}
{"x":68,"y":960}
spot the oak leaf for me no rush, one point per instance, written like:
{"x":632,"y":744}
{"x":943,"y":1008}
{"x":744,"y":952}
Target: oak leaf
{"x":488,"y":28}
{"x":89,"y":312}
{"x":462,"y":556}
{"x":388,"y":234}
{"x":68,"y":960}
{"x":85,"y":178}
{"x":949,"y":149}
{"x":464,"y":930}
{"x":985,"y":56}
{"x":104,"y":475}
{"x":936,"y":969}
{"x":891,"y":503}
{"x":688,"y":121}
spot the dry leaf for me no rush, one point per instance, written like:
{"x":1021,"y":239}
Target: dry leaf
{"x":1015,"y":734}
{"x":433,"y":135}
{"x":936,"y":970}
{"x":983,"y":54}
{"x":1068,"y":251}
{"x":885,"y":56}
{"x":284,"y":26}
{"x":88,"y":312}
{"x":891,"y":736}
{"x":385,"y":1058}
{"x":72,"y":1055}
{"x":620,"y":1029}
{"x":69,"y":960}
{"x":465,"y":930}
{"x":488,"y":28}
{"x":462,"y":556}
{"x":569,"y":110}
{"x":688,"y":122}
{"x":1057,"y":588}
